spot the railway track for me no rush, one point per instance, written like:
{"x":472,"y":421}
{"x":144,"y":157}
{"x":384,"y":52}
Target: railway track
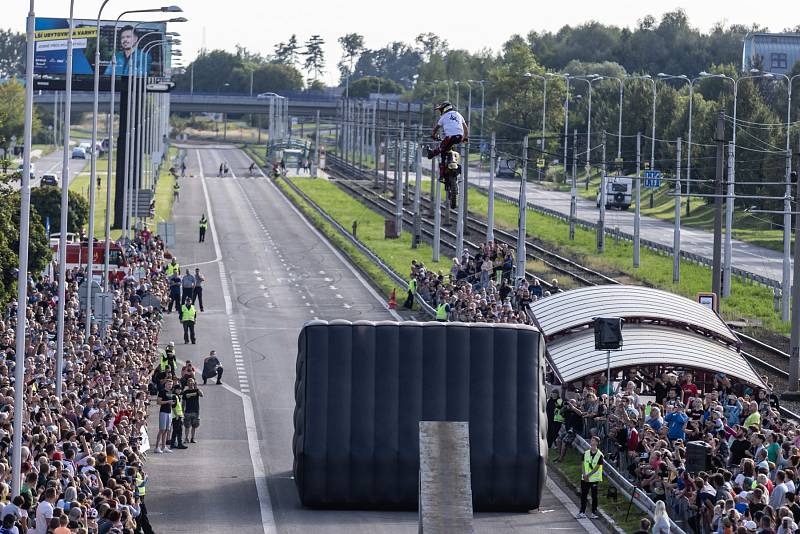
{"x":770,"y":360}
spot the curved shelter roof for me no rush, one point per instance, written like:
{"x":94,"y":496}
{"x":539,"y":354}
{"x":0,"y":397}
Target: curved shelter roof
{"x":575,"y":357}
{"x":562,"y":312}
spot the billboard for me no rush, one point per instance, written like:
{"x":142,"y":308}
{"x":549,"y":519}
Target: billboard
{"x":51,"y":38}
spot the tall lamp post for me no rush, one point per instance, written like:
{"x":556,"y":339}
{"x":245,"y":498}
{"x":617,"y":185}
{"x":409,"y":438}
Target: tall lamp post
{"x":22,"y":274}
{"x":62,"y":238}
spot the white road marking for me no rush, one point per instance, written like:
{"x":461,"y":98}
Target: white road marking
{"x":567,"y":503}
{"x":259,"y":473}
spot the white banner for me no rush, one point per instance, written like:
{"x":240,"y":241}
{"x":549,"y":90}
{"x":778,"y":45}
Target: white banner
{"x":59,"y":44}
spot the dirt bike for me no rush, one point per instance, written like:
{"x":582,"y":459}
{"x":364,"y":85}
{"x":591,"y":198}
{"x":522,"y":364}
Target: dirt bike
{"x":449,"y":171}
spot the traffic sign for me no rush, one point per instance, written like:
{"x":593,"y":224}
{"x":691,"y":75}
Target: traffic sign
{"x":652,"y":178}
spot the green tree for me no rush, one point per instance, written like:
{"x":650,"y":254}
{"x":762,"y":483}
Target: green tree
{"x":12,"y":113}
{"x":212,"y":70}
{"x":314,"y":63}
{"x":275,"y":77}
{"x":352,"y":45}
{"x":363,"y":87}
{"x":286,"y":53}
{"x":46,"y":201}
{"x":12,"y":52}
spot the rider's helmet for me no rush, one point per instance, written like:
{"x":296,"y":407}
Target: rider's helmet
{"x":444,"y":107}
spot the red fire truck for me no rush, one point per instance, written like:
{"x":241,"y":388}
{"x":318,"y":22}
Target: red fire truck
{"x":78,"y":253}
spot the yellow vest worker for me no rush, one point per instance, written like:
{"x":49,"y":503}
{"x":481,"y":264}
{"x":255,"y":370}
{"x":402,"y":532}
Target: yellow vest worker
{"x":188,"y":313}
{"x":441,"y":312}
{"x":188,"y":317}
{"x":558,"y":416}
{"x":173,"y":268}
{"x":591,"y":476}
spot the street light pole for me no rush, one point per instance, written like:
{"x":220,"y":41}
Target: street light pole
{"x":62,"y":238}
{"x":93,"y":174}
{"x":22,"y":274}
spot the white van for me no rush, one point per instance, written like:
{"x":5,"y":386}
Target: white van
{"x":618,"y":192}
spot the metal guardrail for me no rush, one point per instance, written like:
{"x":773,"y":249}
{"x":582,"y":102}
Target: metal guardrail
{"x":361,"y":247}
{"x":631,"y":492}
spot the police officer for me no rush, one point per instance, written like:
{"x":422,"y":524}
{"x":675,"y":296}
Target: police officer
{"x":188,"y":317}
{"x":591,"y":476}
{"x":187,"y":286}
{"x":203,"y":226}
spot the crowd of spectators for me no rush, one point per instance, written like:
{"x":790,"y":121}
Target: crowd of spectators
{"x":83,"y":454}
{"x":749,"y":456}
{"x":479,"y":288}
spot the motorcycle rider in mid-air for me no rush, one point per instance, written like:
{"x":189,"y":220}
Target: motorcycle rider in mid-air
{"x":455,"y":131}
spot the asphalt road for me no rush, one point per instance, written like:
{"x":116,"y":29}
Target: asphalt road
{"x":267,"y":272}
{"x":53,"y":163}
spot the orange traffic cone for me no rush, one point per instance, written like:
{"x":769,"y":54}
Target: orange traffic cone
{"x":393,"y":300}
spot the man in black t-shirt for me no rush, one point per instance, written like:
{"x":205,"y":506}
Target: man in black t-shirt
{"x":191,"y":409}
{"x":739,"y":447}
{"x":165,"y":401}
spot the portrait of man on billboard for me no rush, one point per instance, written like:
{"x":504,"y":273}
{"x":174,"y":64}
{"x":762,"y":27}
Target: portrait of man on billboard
{"x":128,"y":59}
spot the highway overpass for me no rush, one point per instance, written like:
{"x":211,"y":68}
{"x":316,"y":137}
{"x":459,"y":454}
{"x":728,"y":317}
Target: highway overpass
{"x":306,"y":105}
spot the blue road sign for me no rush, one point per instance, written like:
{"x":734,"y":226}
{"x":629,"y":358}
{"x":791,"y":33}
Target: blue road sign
{"x":652,"y":178}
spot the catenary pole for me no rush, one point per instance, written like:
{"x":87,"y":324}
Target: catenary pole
{"x":523,"y":212}
{"x":794,"y":342}
{"x":637,"y":215}
{"x":716,"y":261}
{"x":601,"y":224}
{"x":437,"y":212}
{"x":490,"y":211}
{"x":676,"y":233}
{"x":573,"y":195}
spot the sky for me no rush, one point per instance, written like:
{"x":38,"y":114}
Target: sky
{"x":469,"y":24}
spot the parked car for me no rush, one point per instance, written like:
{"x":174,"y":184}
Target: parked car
{"x":78,"y":153}
{"x":49,"y":179}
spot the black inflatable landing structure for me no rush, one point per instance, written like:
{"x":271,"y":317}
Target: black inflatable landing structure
{"x":363,"y":387}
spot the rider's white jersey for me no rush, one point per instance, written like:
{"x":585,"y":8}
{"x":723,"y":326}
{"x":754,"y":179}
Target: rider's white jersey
{"x":452,"y":123}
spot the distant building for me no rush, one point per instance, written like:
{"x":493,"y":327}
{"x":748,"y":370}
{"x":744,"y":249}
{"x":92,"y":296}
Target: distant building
{"x":771,"y":52}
